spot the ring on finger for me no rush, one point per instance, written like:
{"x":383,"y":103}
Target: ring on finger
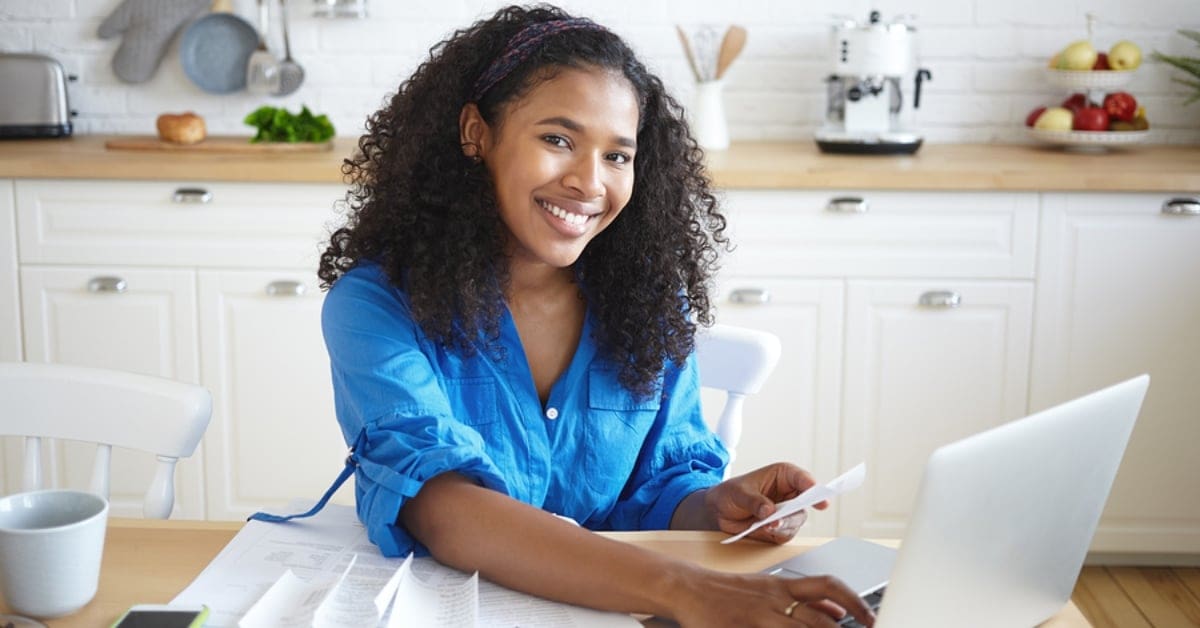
{"x":791,"y":608}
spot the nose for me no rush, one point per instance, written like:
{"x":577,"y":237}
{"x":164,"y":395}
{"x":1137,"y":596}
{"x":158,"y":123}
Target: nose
{"x":585,"y":176}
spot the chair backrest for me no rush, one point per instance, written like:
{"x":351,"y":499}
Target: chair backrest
{"x":737,"y":360}
{"x":109,"y":408}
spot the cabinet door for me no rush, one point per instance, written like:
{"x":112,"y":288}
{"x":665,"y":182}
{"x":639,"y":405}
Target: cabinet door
{"x":1117,"y":296}
{"x":10,"y":311}
{"x":922,"y":375}
{"x":794,"y":417}
{"x":274,"y":435}
{"x":121,"y":318}
{"x":10,"y":327}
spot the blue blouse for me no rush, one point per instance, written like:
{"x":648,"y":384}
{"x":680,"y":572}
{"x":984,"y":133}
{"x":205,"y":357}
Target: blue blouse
{"x":413,"y":409}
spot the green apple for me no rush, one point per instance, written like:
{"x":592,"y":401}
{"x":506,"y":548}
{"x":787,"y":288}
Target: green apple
{"x":1055,"y":119}
{"x":1080,"y":55}
{"x":1124,"y":55}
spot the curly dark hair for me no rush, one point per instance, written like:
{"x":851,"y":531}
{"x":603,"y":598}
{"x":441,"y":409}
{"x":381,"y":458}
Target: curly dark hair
{"x":427,"y":213}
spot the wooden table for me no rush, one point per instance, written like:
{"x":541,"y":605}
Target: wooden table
{"x":149,"y":562}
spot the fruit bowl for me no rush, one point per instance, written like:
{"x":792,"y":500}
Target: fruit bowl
{"x":1088,"y":140}
{"x":1088,"y":79}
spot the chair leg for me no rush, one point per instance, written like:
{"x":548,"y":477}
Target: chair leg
{"x":160,"y":499}
{"x":729,"y":426}
{"x":32,"y":479}
{"x":101,"y":470}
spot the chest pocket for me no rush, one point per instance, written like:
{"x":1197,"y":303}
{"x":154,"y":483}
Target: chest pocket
{"x":617,"y":425}
{"x":473,"y":400}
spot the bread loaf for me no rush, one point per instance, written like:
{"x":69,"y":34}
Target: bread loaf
{"x":184,"y":128}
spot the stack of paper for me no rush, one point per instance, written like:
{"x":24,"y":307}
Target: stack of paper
{"x":324,"y":572}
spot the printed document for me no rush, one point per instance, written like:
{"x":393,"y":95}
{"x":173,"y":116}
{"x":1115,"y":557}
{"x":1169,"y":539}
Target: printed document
{"x":324,"y":572}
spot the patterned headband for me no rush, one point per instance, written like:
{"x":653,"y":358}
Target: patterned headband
{"x":521,"y":46}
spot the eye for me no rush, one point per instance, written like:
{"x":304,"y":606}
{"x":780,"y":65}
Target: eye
{"x":620,"y":158}
{"x":556,"y":140}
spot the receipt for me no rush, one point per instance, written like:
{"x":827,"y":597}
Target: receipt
{"x":843,"y":483}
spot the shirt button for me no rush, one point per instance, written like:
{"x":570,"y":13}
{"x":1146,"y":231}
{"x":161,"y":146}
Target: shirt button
{"x":552,"y":413}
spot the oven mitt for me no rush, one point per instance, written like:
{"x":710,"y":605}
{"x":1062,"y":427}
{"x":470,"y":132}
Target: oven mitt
{"x":147,"y":26}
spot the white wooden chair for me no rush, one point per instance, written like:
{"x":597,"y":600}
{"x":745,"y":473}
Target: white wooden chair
{"x":110,"y":408}
{"x":737,"y":360}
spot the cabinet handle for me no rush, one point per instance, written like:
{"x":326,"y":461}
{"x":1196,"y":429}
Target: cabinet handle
{"x":941,"y":298}
{"x":107,"y":284}
{"x":848,"y":205}
{"x":286,"y":289}
{"x":750,"y":296}
{"x":1182,"y":206}
{"x":191,"y":195}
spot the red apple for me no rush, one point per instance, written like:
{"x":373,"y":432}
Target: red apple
{"x":1101,"y":62}
{"x":1033,"y":116}
{"x":1121,"y":106}
{"x":1091,"y":119}
{"x":1075,"y":102}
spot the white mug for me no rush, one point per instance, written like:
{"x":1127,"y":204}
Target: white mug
{"x":50,"y":547}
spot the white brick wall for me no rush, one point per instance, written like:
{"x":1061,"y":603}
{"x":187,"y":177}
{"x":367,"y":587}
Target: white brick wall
{"x":986,"y":58}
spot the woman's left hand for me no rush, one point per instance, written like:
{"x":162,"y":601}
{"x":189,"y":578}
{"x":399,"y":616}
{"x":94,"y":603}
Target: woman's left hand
{"x":740,"y":501}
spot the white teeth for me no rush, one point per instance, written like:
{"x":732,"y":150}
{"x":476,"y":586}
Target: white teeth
{"x":565,"y":216}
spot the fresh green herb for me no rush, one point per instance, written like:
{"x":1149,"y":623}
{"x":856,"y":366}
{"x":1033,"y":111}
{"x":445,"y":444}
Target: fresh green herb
{"x":1191,"y":65}
{"x":276,"y":124}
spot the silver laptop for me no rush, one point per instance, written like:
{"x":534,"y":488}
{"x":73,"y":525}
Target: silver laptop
{"x":1002,"y":522}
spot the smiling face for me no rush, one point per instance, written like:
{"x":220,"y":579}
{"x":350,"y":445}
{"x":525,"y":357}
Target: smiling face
{"x":562,"y":161}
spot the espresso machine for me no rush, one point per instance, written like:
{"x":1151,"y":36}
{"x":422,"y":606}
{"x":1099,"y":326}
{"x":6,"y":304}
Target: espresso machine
{"x":865,"y":109}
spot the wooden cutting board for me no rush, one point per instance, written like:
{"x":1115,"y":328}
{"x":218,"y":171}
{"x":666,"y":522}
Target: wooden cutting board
{"x":215,"y":144}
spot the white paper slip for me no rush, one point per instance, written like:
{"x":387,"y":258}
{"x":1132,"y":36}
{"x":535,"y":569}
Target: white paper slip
{"x":843,"y":483}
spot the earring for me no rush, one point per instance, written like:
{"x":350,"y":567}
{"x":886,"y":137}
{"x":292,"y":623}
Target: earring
{"x":471,"y":152}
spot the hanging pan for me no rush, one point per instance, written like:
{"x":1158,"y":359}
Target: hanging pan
{"x":214,"y":50}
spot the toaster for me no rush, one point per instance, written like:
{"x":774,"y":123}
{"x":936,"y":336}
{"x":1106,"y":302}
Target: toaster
{"x":33,"y":97}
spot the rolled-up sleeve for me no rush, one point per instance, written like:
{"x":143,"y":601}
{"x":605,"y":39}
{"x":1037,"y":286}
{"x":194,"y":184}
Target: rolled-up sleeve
{"x":392,"y":406}
{"x":680,"y":455}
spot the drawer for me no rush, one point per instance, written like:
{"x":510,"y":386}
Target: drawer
{"x":165,"y":224}
{"x":888,"y":234}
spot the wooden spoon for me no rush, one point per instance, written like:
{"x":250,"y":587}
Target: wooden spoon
{"x":731,"y":46}
{"x":687,"y":51}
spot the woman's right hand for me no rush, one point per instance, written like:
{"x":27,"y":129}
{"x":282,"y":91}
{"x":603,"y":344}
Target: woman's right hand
{"x":719,"y":600}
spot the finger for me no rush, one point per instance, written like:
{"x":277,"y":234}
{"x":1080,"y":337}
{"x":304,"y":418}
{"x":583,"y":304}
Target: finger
{"x":808,"y":616}
{"x":829,"y":608}
{"x":783,"y":530}
{"x":787,"y":482}
{"x":834,"y":590}
{"x":744,"y":501}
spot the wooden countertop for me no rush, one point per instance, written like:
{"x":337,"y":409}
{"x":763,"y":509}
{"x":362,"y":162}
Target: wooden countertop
{"x":763,"y":165}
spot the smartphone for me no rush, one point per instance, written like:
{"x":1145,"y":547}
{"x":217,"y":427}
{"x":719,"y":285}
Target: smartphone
{"x":162,"y":616}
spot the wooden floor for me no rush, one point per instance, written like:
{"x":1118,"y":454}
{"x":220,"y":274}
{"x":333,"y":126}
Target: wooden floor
{"x":1138,"y":597}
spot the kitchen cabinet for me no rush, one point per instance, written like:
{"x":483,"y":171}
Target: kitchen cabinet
{"x":1117,"y":296}
{"x":10,"y":309}
{"x":905,"y":319}
{"x":196,"y":282}
{"x":132,"y":319}
{"x":927,"y":363}
{"x":795,"y":416}
{"x":273,"y":434}
{"x":10,"y":323}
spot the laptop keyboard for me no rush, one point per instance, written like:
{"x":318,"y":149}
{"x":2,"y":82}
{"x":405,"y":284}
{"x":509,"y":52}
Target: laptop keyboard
{"x":873,"y":600}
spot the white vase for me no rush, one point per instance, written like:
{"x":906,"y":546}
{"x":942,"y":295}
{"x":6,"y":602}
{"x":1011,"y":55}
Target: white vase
{"x":708,"y":115}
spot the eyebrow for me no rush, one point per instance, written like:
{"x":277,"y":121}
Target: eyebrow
{"x":572,"y":125}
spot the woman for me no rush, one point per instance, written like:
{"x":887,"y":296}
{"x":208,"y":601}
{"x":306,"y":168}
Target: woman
{"x":510,"y":325}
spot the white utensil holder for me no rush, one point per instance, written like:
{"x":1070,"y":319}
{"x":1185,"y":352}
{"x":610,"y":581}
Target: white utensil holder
{"x":708,"y":115}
